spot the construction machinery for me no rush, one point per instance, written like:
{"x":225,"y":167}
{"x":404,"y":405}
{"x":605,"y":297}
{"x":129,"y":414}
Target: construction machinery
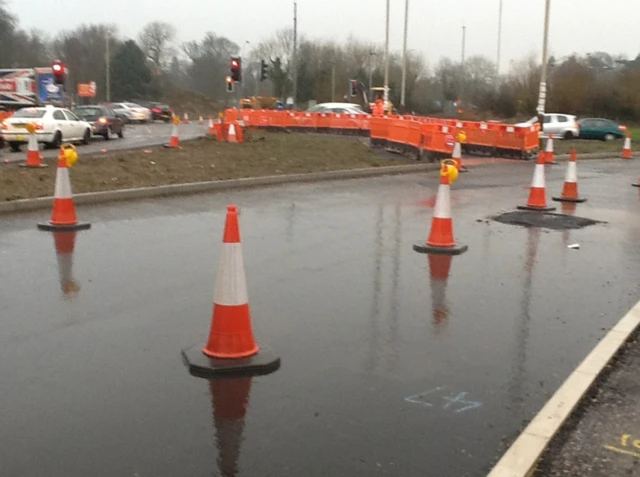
{"x":259,"y":102}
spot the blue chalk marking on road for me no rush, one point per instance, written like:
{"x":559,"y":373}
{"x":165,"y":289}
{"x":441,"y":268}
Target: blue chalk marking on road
{"x":457,"y":403}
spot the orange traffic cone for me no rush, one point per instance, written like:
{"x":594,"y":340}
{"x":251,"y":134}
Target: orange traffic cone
{"x":200,"y":120}
{"x":174,"y":140}
{"x":229,"y":401}
{"x":548,"y":155}
{"x":211,"y":130}
{"x":457,"y":157}
{"x":231,"y":346}
{"x":231,"y":135}
{"x":63,"y":216}
{"x":186,"y":118}
{"x":441,"y":236}
{"x":439,"y":267}
{"x":65,"y":244}
{"x":33,"y":153}
{"x":537,"y":195}
{"x":626,"y":150}
{"x":570,"y":188}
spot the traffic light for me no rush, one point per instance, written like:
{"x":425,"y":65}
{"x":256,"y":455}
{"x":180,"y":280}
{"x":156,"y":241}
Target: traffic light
{"x":229,"y":81}
{"x":353,"y":88}
{"x":263,"y":70}
{"x":58,"y":72}
{"x":236,"y":69}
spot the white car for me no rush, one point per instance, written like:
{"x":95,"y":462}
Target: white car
{"x":53,"y":127}
{"x":562,"y":126}
{"x":132,"y":112}
{"x":348,"y":108}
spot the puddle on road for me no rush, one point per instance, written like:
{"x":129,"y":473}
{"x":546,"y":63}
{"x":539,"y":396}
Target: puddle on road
{"x":544,"y":220}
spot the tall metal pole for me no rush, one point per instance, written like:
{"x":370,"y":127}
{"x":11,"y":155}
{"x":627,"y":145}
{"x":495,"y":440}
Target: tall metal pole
{"x":333,"y":83}
{"x":499,"y":39}
{"x":404,"y":55}
{"x":295,"y":52}
{"x":107,"y":58}
{"x":462,"y":69}
{"x":370,"y":98}
{"x":386,"y":62}
{"x":542,"y":95}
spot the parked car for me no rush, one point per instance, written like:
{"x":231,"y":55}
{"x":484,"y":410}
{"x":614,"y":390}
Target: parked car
{"x":53,"y":127}
{"x":602,"y":129}
{"x":562,"y":126}
{"x":104,"y":121}
{"x":130,"y":112}
{"x":348,"y":108}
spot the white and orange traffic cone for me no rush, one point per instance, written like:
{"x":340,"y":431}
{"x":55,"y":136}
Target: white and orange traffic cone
{"x":570,"y":188}
{"x":457,"y":157}
{"x":234,"y":134}
{"x":211,"y":130}
{"x":174,"y":140}
{"x":537,"y":194}
{"x":33,"y":152}
{"x":549,"y":157}
{"x":200,"y":120}
{"x":626,"y":150}
{"x":63,"y":216}
{"x":186,"y":118}
{"x":65,"y":245}
{"x":231,"y":346}
{"x":441,"y":236}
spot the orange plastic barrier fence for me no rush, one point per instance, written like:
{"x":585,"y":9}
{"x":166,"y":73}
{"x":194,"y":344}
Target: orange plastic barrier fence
{"x":401,"y":132}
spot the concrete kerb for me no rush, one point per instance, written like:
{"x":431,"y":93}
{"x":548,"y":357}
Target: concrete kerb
{"x":521,"y":458}
{"x":589,"y":155}
{"x":212,"y":186}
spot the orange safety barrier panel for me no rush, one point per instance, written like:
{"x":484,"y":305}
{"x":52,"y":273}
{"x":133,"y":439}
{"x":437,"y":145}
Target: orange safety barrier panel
{"x":398,"y":132}
{"x":414,"y":134}
{"x":378,"y":127}
{"x":277,"y":119}
{"x":364,"y":122}
{"x":339,"y":121}
{"x":323,"y":122}
{"x":230,"y":115}
{"x":261,"y":118}
{"x":438,"y":138}
{"x":481,"y":134}
{"x":307,"y":121}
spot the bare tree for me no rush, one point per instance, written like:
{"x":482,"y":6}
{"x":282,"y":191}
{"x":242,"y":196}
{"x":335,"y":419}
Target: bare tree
{"x":156,"y":40}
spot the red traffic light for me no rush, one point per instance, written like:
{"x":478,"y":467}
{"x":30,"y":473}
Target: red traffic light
{"x":58,"y":72}
{"x":236,"y":69}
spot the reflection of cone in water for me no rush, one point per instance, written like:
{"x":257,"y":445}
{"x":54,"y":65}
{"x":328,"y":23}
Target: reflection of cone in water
{"x":230,"y":400}
{"x":568,"y":208}
{"x":538,"y":192}
{"x":65,"y":244}
{"x":439,"y":267}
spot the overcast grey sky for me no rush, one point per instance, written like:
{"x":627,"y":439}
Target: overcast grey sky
{"x":434,"y":25}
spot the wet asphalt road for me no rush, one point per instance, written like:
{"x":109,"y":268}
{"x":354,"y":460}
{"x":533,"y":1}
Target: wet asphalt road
{"x":386,"y":370}
{"x":135,"y":136}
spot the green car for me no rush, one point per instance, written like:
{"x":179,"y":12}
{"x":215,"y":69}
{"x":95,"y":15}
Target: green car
{"x":602,"y":129}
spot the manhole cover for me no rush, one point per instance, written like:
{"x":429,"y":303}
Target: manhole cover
{"x":544,"y":220}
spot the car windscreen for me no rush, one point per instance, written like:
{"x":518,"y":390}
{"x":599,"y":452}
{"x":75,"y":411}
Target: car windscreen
{"x":131,"y":105}
{"x":88,"y":114}
{"x":29,"y":113}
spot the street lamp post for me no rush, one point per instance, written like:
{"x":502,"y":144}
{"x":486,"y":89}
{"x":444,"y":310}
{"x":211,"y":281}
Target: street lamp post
{"x":404,"y":55}
{"x":499,"y":39}
{"x":542,"y":95}
{"x":371,"y":55}
{"x":386,"y":61}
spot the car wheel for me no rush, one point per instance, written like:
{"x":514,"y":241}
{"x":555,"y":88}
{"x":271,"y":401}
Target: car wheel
{"x":608,"y":137}
{"x":107,"y":135}
{"x":568,"y":135}
{"x":56,"y":143}
{"x":121,"y":132}
{"x":86,"y":138}
{"x":15,"y":146}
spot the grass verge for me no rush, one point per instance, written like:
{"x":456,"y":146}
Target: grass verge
{"x":262,"y":154}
